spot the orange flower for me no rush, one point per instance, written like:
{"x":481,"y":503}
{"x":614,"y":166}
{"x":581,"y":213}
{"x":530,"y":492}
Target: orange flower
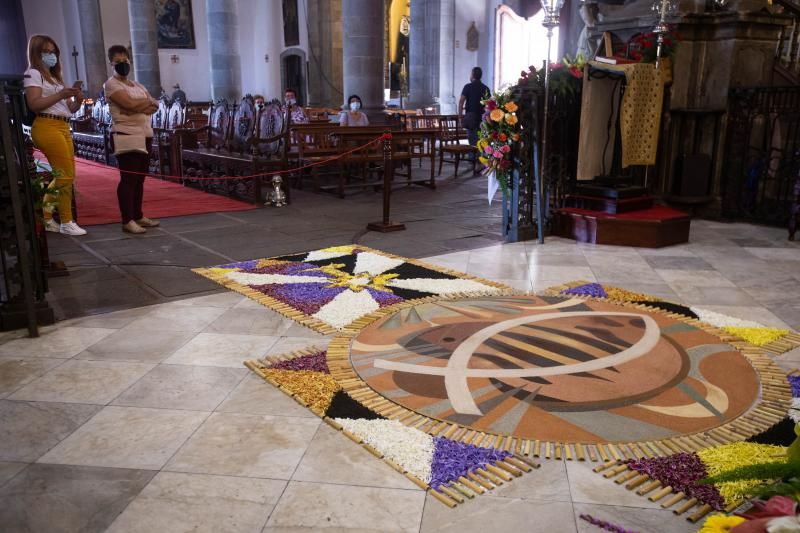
{"x":511,"y":118}
{"x":510,"y":107}
{"x":503,"y":137}
{"x":515,"y":137}
{"x":496,"y":115}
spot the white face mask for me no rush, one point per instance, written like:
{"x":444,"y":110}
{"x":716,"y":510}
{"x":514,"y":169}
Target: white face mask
{"x":291,"y":101}
{"x":49,"y":59}
{"x":354,"y":106}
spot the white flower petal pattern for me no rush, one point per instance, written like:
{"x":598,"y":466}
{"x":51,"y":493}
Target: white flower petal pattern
{"x":321,"y":255}
{"x":346,"y":307}
{"x":248,"y":278}
{"x":407,"y":447}
{"x":441,"y":286}
{"x":723,"y":321}
{"x":375,"y":264}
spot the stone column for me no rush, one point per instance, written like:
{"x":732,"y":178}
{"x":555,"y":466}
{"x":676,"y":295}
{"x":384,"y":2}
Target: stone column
{"x":224,"y":45}
{"x":447,"y":37}
{"x":363,"y":24}
{"x":94,"y":55}
{"x":423,"y":69}
{"x":325,"y":53}
{"x":269,"y":43}
{"x":144,"y":40}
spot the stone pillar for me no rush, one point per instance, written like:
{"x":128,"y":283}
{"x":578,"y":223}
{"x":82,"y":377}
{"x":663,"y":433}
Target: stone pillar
{"x":224,"y":45}
{"x":270,"y":43}
{"x":94,"y":55}
{"x":325,"y":53}
{"x":144,"y":41}
{"x":363,"y":24}
{"x":424,"y":54}
{"x":447,"y":37}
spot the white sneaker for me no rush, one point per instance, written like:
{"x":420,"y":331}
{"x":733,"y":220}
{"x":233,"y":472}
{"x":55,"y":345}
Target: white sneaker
{"x":52,"y":225}
{"x":71,"y":228}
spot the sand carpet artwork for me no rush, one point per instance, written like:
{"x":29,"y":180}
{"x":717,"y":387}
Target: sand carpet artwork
{"x":563,"y":376}
{"x":462,"y":393}
{"x":333,"y":288}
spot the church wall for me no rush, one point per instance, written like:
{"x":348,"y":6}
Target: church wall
{"x":467,"y":12}
{"x":60,"y":21}
{"x":193,"y":69}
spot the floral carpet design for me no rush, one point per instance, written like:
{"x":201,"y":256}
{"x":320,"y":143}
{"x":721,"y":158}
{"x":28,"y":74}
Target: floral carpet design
{"x":453,"y":470}
{"x":332,"y":288}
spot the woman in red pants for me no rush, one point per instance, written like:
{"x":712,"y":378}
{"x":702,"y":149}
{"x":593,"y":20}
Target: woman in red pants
{"x":131,"y":106}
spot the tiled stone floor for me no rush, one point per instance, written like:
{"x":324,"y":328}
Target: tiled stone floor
{"x":145,"y":419}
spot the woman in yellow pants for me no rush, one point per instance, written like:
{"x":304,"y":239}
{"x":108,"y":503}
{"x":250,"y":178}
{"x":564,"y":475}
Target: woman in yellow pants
{"x":53,"y":104}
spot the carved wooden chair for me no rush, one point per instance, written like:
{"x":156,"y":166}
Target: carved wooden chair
{"x":450,"y":136}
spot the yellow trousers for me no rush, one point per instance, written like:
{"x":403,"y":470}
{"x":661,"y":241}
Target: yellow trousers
{"x":54,"y":139}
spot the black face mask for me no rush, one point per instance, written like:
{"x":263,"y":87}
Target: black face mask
{"x":123,"y":68}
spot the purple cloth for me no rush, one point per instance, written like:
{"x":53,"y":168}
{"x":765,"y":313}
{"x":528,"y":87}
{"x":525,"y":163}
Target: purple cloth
{"x":588,"y":289}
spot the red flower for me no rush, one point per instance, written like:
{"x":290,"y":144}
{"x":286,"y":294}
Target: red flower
{"x":503,"y":137}
{"x":494,"y":135}
{"x":505,"y":164}
{"x":576,"y":72}
{"x":556,"y":66}
{"x":491,"y":104}
{"x":648,"y":44}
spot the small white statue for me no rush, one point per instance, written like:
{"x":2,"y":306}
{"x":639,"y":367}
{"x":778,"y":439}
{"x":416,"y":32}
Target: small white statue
{"x":277,"y":198}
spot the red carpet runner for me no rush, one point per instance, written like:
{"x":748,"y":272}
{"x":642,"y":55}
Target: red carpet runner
{"x":96,"y":196}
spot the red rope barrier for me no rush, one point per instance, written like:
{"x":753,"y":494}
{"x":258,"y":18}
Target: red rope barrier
{"x":385,"y":136}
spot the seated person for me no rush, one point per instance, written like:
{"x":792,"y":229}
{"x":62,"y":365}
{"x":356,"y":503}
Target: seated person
{"x":297,"y":113}
{"x":259,"y":102}
{"x":354,"y":116}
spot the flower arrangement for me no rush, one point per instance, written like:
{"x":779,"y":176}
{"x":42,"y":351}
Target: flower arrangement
{"x":645,"y":46}
{"x":564,"y":76}
{"x":499,"y":131}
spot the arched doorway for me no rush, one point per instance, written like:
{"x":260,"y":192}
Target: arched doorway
{"x":519,"y":43}
{"x":293,"y":73}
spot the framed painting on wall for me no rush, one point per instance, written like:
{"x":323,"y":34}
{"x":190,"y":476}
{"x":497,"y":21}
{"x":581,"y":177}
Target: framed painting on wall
{"x":291,"y":23}
{"x":175,"y":23}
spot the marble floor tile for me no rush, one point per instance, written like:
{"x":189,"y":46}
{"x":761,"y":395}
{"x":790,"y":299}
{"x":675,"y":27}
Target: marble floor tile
{"x":58,"y":343}
{"x":127,"y":437}
{"x":774,"y":291}
{"x":497,"y":270}
{"x":251,"y":446}
{"x":226,"y":299}
{"x":8,"y":470}
{"x":16,"y":372}
{"x":666,"y":262}
{"x":318,"y":506}
{"x":300,"y":331}
{"x":623,"y":274}
{"x":115,"y":320}
{"x":333,"y":458}
{"x":191,"y":502}
{"x":489,"y":513}
{"x":559,"y":274}
{"x":129,"y":344}
{"x":191,"y":388}
{"x":523,"y":285}
{"x":62,"y":499}
{"x":178,"y":318}
{"x":221,"y":349}
{"x":261,"y":321}
{"x":549,"y":482}
{"x":587,"y":486}
{"x":784,"y":254}
{"x":566,"y":260}
{"x":254,"y":396}
{"x":75,"y":381}
{"x":692,"y":295}
{"x":645,"y":520}
{"x":30,"y":429}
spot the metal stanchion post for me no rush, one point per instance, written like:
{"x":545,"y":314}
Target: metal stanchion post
{"x":386,"y":225}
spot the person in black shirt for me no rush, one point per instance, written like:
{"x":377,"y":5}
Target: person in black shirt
{"x":471,"y":97}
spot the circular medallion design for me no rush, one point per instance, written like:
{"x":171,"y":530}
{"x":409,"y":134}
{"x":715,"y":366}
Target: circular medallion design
{"x":561,"y":370}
